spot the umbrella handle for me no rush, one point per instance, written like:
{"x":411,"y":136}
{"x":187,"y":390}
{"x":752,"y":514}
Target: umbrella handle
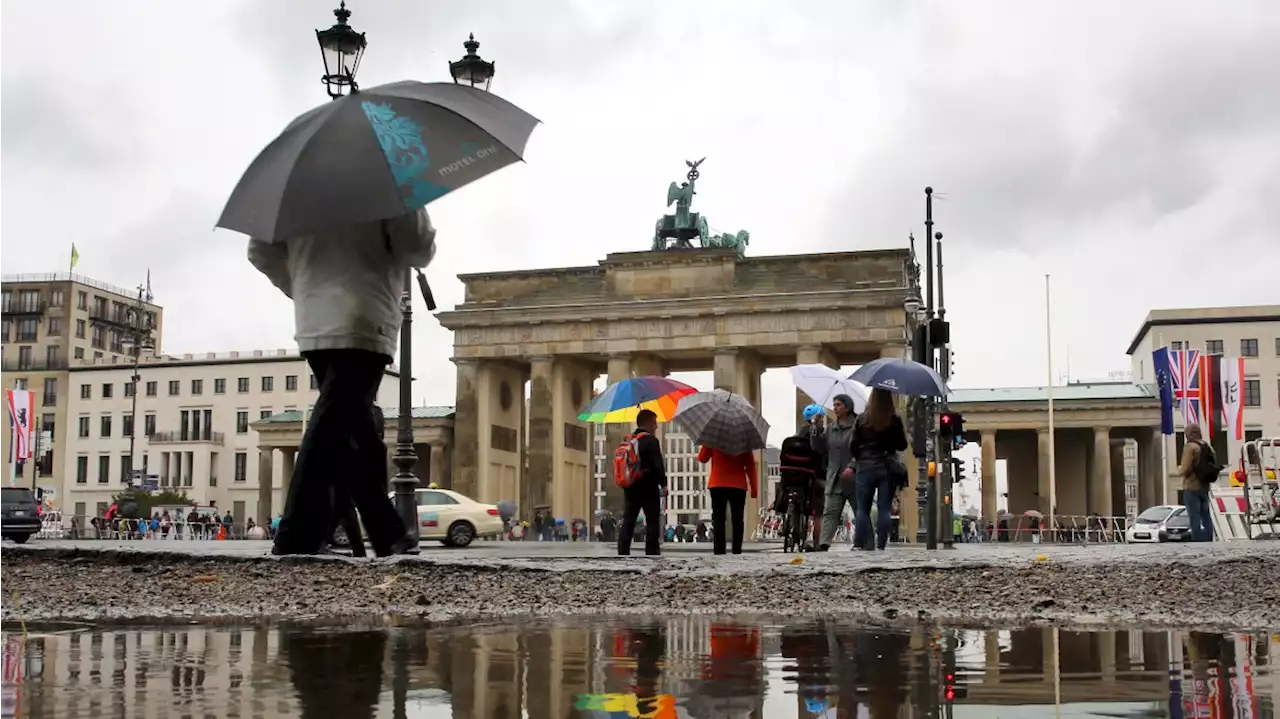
{"x":425,"y":288}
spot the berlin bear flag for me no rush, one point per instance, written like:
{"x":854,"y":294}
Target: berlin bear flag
{"x":1164,"y":381}
{"x":1232,"y":407}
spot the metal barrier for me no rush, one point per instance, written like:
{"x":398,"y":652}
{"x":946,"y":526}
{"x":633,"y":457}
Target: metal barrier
{"x":140,"y":529}
{"x":1249,"y":508}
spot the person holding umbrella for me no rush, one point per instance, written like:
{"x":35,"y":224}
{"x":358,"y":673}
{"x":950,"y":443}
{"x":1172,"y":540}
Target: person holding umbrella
{"x":878,"y":435}
{"x":836,"y":445}
{"x":645,"y":488}
{"x":345,"y":285}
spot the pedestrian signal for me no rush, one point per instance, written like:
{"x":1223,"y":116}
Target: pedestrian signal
{"x":951,"y":425}
{"x":957,"y":469}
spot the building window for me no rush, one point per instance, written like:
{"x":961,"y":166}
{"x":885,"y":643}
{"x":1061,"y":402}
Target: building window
{"x":107,"y":390}
{"x":242,"y":422}
{"x":1175,"y":345}
{"x":80,"y":329}
{"x":175,"y":388}
{"x":27,"y":329}
{"x":86,"y":391}
{"x":126,"y":425}
{"x":291,"y":383}
{"x":151,"y":389}
{"x":268,"y":384}
{"x":263,"y":414}
{"x":1249,"y":348}
{"x":98,"y":338}
{"x":1213,"y":347}
{"x":104,"y":429}
{"x":126,"y":467}
{"x":25,"y":358}
{"x":55,"y":298}
{"x":148,"y":424}
{"x":82,"y":427}
{"x":82,"y":470}
{"x":313,"y":381}
{"x":219,"y":386}
{"x":54,"y":328}
{"x":1252,"y":393}
{"x":242,"y":466}
{"x":1278,"y":346}
{"x":213,"y":469}
{"x":197,"y":386}
{"x":82,"y":300}
{"x":79,"y":353}
{"x":242,"y":385}
{"x":50,"y":391}
{"x":104,"y":469}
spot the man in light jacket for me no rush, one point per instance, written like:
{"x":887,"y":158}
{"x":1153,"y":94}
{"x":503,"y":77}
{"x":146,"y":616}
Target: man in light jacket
{"x":345,"y":285}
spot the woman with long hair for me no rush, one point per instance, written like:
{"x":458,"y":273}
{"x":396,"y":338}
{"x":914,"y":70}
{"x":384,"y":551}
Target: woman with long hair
{"x":835,"y":444}
{"x":878,"y":435}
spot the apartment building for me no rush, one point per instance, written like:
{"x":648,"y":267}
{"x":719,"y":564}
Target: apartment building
{"x":52,"y":321}
{"x":688,"y":500}
{"x":195,"y":434}
{"x":1252,"y":333}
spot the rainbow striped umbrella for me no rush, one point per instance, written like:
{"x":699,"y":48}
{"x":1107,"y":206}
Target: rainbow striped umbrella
{"x":621,"y":402}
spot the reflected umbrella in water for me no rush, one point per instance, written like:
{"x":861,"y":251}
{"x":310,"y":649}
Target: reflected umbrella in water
{"x":335,"y":674}
{"x":870,"y":672}
{"x":808,"y":647}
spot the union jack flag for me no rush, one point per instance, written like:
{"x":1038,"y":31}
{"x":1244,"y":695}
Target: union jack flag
{"x":1184,"y":368}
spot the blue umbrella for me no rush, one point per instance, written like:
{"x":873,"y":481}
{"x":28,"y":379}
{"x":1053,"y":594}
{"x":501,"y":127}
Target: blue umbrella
{"x":902,"y":376}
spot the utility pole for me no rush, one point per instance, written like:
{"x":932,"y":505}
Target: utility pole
{"x":930,"y":410}
{"x":140,"y":336}
{"x":943,"y":450}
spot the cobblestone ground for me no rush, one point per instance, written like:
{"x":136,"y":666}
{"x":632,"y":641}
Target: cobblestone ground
{"x":1223,"y":585}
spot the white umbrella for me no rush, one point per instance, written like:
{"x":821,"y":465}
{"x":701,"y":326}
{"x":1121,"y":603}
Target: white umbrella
{"x":822,"y":384}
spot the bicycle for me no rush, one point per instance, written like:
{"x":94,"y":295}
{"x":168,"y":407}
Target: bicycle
{"x":795,"y":524}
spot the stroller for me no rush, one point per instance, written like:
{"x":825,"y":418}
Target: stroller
{"x":798,"y":466}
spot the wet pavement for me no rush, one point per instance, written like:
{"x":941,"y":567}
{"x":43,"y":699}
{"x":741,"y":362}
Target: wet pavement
{"x":673,"y":668}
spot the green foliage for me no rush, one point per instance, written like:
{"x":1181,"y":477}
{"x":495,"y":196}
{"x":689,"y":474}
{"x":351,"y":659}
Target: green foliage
{"x":146,"y":501}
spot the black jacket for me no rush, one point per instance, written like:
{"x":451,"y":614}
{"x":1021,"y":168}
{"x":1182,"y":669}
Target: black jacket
{"x":652,"y":465}
{"x":868,"y":445}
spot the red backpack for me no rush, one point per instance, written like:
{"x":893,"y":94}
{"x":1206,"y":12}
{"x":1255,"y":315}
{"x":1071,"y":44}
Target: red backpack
{"x":626,"y":461}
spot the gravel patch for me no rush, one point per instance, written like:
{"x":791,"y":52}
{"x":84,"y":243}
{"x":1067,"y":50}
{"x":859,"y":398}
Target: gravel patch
{"x":1228,"y":590}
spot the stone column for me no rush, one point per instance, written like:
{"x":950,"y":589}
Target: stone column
{"x":265,"y":457}
{"x":536,"y":489}
{"x":436,"y":473}
{"x":1042,"y":465}
{"x":1107,"y":655}
{"x":990,"y":493}
{"x":749,"y":371}
{"x":812,"y":354}
{"x":466,"y":430}
{"x":286,"y":475}
{"x":1149,"y":468}
{"x":991,"y":648}
{"x":724,"y":370}
{"x":1100,"y":486}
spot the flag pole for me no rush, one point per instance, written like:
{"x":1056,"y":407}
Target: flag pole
{"x":1048,"y":338}
{"x":1164,"y":448}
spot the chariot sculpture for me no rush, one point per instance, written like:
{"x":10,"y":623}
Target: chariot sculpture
{"x":679,"y":230}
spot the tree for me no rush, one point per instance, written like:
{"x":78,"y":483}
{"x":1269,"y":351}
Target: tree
{"x":147,"y":500}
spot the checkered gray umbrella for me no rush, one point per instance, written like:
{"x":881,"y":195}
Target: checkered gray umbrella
{"x":722,"y":420}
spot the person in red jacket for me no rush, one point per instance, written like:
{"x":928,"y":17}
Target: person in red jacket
{"x":731,"y":477}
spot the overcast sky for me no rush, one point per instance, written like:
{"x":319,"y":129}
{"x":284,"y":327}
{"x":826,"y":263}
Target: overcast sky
{"x":1130,"y":149}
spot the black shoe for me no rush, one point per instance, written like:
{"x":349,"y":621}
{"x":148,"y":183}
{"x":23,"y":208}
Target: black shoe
{"x":404,"y":545}
{"x":824,"y":548}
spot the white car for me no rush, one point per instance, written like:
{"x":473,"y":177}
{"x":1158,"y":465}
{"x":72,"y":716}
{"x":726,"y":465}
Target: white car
{"x":455,"y":519}
{"x":1163,"y":523}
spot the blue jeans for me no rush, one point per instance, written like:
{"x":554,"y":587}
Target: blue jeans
{"x":1197,"y":504}
{"x":873,"y":480}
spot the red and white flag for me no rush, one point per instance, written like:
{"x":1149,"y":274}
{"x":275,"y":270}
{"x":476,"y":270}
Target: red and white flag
{"x":22,"y":421}
{"x":1232,"y":379}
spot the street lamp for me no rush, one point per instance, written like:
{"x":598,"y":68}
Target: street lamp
{"x":341,"y":49}
{"x":138,"y":339}
{"x":472,"y":69}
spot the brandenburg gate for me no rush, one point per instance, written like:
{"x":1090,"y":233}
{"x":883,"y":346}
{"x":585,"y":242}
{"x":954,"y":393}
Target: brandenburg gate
{"x":669,"y":309}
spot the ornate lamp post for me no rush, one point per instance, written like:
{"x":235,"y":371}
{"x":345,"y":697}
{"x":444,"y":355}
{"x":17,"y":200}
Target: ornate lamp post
{"x":341,"y":49}
{"x":472,"y":69}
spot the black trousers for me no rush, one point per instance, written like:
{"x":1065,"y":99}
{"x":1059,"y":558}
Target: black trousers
{"x":734,"y":501}
{"x":648,"y":500}
{"x":341,"y":450}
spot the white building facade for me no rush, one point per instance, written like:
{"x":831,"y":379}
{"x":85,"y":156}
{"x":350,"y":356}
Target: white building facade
{"x":1251,"y":333}
{"x":195,"y":435}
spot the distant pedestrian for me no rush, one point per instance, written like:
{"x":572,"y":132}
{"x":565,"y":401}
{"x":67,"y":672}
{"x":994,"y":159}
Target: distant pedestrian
{"x":645,"y":491}
{"x":836,"y":445}
{"x":346,"y":286}
{"x":1199,"y":469}
{"x":731,"y":477}
{"x":877,"y":438}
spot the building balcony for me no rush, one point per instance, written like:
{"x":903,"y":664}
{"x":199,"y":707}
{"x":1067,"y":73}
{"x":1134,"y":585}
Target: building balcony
{"x":42,"y":364}
{"x":126,"y":320}
{"x":16,"y":308}
{"x":179,"y":437}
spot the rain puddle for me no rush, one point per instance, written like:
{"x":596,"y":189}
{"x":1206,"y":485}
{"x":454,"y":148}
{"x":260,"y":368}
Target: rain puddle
{"x":636,"y":667}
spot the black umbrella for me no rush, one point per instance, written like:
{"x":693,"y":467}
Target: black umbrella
{"x":373,"y":155}
{"x":506,"y":509}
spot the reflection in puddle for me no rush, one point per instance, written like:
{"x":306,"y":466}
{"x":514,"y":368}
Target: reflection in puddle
{"x":663,"y":668}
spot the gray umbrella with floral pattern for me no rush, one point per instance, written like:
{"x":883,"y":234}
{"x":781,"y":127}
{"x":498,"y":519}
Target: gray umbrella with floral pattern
{"x":375,"y":154}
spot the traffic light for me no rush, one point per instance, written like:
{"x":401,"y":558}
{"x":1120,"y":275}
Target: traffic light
{"x":951,"y":425}
{"x":957,"y":469}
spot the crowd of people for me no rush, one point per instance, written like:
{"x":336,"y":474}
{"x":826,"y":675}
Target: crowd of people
{"x":850,"y":461}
